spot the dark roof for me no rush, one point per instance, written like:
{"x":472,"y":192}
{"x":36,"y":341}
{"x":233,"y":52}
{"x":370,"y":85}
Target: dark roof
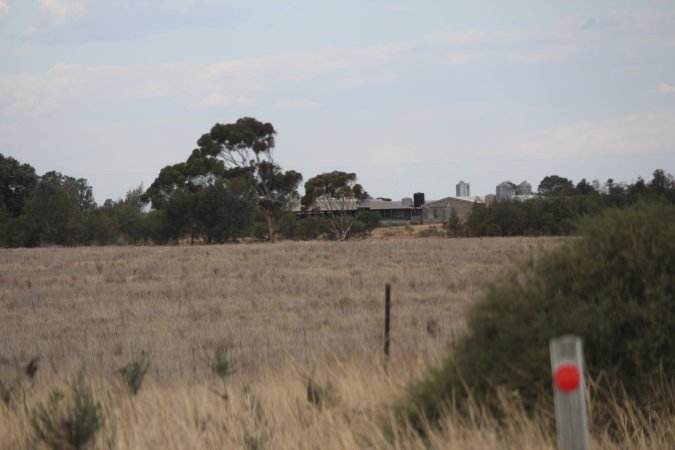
{"x":376,"y":204}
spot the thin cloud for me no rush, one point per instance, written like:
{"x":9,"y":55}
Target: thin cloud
{"x":66,"y":87}
{"x":365,"y":80}
{"x":296,"y":105}
{"x":217,"y":100}
{"x":665,"y":89}
{"x":643,"y":133}
{"x":151,"y":89}
{"x":4,"y":10}
{"x":284,"y":66}
{"x":538,"y":56}
{"x":479,"y":36}
{"x":393,"y":155}
{"x":111,"y":21}
{"x":600,"y":23}
{"x":62,"y":10}
{"x":458,"y":58}
{"x":33,"y":95}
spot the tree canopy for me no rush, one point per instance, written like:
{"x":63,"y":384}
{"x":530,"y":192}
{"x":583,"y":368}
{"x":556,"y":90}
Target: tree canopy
{"x":16,"y":183}
{"x":555,"y":185}
{"x":54,"y":210}
{"x":200,"y":196}
{"x":245,"y":149}
{"x":336,"y":194}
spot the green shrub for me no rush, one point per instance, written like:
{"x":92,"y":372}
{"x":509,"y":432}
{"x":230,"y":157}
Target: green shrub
{"x":259,"y":230}
{"x":358,"y":229}
{"x":66,"y":425}
{"x":134,"y":372}
{"x":431,"y":232}
{"x":288,"y":226}
{"x":454,"y":225}
{"x":614,"y":286}
{"x":312,"y":227}
{"x":220,"y":363}
{"x":320,"y":395}
{"x":371,"y":219}
{"x":6,"y":392}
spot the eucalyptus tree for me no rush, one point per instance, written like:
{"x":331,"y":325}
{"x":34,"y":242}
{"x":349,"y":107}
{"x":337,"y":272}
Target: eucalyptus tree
{"x":246,"y":149}
{"x":55,"y":210}
{"x":201,"y":197}
{"x":555,"y":185}
{"x":337,"y":196}
{"x":16,"y":183}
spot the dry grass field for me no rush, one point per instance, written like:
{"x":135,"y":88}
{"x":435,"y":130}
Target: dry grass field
{"x":297,"y":301}
{"x":285,"y":312}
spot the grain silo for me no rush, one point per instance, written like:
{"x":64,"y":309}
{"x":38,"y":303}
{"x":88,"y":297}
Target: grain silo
{"x":524,"y":188}
{"x":505,"y":191}
{"x":462,"y":189}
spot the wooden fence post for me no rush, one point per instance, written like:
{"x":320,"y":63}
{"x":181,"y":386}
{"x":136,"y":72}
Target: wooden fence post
{"x":569,"y":394}
{"x":387,"y":318}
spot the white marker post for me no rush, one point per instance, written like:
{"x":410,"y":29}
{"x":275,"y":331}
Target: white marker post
{"x":571,"y":414}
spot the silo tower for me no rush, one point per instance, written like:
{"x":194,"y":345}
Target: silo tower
{"x":463,"y":189}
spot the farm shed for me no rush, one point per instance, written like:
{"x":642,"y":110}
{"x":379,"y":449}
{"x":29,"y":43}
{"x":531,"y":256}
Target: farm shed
{"x":390,"y":211}
{"x":439,"y":211}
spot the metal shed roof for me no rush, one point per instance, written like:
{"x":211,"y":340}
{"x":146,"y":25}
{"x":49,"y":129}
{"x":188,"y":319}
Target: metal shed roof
{"x":445,"y":201}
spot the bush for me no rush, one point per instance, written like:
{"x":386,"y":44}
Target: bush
{"x":259,"y":230}
{"x":320,"y":395}
{"x":6,"y":392}
{"x":431,"y":232}
{"x":614,"y":287}
{"x":220,"y":363}
{"x":312,"y":227}
{"x":371,"y":220}
{"x":221,"y":366}
{"x":69,"y":426}
{"x":358,"y":229}
{"x":288,"y":226}
{"x":134,"y":372}
{"x":454,"y":225}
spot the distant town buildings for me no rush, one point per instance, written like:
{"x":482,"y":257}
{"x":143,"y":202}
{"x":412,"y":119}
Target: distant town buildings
{"x":462,"y":189}
{"x":417,"y":209}
{"x":408,"y":210}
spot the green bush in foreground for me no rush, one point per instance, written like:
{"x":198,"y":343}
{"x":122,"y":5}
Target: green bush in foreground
{"x":614,"y":286}
{"x":66,"y":425}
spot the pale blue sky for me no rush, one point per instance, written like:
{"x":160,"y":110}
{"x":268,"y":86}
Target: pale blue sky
{"x":413,"y":96}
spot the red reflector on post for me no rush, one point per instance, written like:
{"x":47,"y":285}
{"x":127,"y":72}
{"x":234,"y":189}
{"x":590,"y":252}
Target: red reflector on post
{"x":567,"y":377}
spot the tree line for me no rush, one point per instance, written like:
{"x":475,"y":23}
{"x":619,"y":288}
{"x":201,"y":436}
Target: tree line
{"x":228,"y":188}
{"x":559,"y":205}
{"x":56,"y":209}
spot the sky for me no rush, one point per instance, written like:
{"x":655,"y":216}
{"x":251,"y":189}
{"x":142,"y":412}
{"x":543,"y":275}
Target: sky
{"x":413,"y":96}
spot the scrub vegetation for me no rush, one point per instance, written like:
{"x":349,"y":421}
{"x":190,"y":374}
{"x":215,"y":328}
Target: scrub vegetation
{"x":255,"y":346}
{"x":613,"y":285}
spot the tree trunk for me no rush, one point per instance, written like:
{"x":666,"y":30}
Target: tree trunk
{"x":270,"y":226}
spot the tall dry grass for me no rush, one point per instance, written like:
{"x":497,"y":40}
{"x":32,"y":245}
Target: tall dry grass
{"x":272,"y":411}
{"x":287,"y":313}
{"x":98,"y":307}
